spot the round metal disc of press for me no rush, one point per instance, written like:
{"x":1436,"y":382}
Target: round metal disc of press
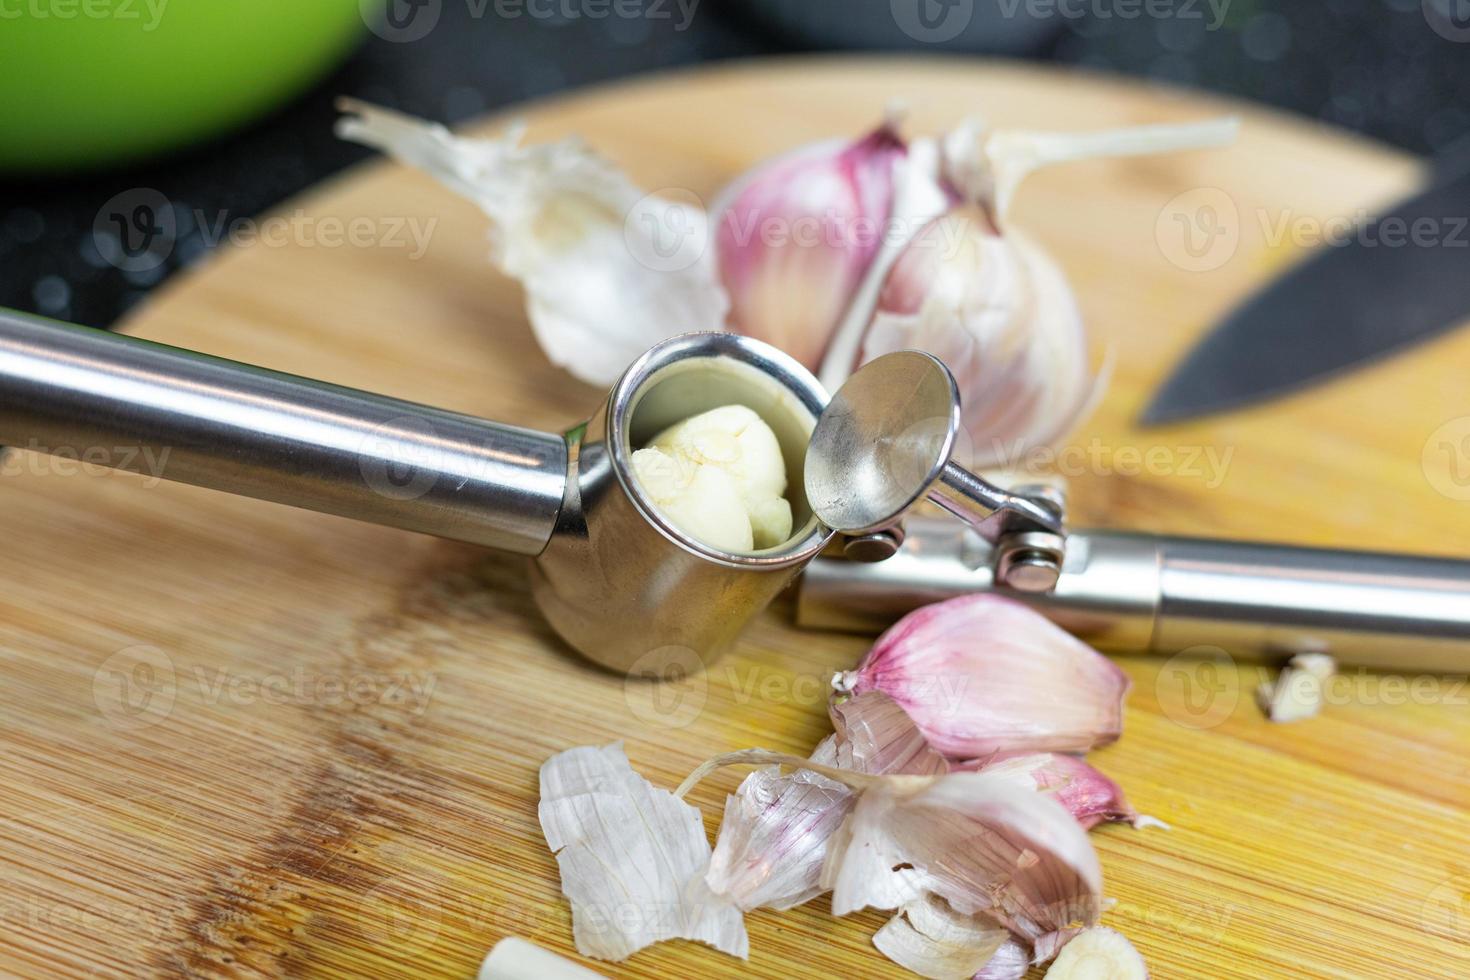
{"x":882,"y":441}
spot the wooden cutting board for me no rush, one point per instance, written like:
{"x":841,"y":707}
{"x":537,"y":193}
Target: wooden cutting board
{"x":241,"y":739}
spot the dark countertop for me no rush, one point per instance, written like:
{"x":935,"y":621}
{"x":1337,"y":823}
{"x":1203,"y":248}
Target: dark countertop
{"x":1377,"y":67}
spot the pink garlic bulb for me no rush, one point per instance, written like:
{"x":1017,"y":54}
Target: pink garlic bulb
{"x":795,"y":238}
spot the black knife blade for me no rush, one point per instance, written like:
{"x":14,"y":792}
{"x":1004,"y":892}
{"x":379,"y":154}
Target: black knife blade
{"x":1383,"y":288}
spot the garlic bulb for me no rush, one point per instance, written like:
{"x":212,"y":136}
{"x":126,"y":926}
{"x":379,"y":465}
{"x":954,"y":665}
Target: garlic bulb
{"x":608,"y":270}
{"x":1098,"y":953}
{"x":795,"y":237}
{"x":1000,"y":314}
{"x":982,"y":675}
{"x":719,"y":477}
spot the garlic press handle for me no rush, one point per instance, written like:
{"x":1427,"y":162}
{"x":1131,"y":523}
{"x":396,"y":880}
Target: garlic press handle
{"x":174,"y":414}
{"x":1148,"y":593}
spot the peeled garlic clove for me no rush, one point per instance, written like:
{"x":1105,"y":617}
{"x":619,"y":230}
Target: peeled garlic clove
{"x":608,"y":270}
{"x":983,"y":675}
{"x":719,"y":476}
{"x":795,"y":237}
{"x":737,"y":441}
{"x":632,"y":858}
{"x":1299,"y":690}
{"x":514,"y":958}
{"x":1088,"y":795}
{"x":702,"y":501}
{"x":1098,"y":953}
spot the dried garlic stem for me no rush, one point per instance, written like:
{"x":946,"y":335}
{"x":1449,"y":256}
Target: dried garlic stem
{"x":766,"y":757}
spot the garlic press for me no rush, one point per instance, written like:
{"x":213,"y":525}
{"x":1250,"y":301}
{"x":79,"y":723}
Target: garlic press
{"x":629,"y":589}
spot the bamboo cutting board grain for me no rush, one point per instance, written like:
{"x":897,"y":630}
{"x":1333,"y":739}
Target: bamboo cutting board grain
{"x":238,"y":739}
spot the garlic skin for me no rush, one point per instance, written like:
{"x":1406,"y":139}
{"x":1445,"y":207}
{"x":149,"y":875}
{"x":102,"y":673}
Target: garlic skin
{"x":608,"y":270}
{"x":1010,"y":962}
{"x":773,"y":840}
{"x":1098,"y":953}
{"x":632,"y":858}
{"x":795,"y":238}
{"x":719,"y":477}
{"x":983,"y":675}
{"x":979,"y":841}
{"x":933,"y":940}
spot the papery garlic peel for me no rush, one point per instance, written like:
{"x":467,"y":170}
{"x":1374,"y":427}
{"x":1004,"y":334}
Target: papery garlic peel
{"x":983,"y":675}
{"x":773,"y":840}
{"x":632,"y":858}
{"x":603,"y":264}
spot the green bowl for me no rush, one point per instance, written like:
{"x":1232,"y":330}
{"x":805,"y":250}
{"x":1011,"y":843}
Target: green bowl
{"x":94,"y":82}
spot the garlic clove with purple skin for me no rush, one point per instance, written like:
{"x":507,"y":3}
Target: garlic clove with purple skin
{"x":795,"y":238}
{"x":979,"y":841}
{"x":982,"y":675}
{"x":984,"y":843}
{"x":1091,"y":797}
{"x":774,"y":837}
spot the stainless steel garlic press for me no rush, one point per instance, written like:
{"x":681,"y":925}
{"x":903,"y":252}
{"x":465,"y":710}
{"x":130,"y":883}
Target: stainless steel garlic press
{"x":630,"y":590}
